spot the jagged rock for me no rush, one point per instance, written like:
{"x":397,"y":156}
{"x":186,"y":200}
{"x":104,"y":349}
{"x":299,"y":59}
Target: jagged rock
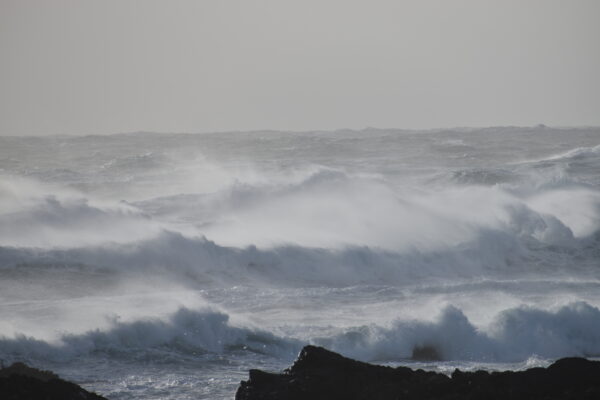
{"x":20,"y":382}
{"x":319,"y":374}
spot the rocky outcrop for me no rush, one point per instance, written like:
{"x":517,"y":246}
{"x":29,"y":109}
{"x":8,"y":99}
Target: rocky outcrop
{"x":319,"y":374}
{"x":20,"y":382}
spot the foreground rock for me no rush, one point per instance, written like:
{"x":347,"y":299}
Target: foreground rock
{"x":20,"y":382}
{"x":321,"y":374}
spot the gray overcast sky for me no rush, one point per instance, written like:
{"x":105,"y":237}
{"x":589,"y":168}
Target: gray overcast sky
{"x":82,"y":67}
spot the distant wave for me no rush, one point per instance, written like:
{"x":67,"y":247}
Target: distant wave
{"x":325,"y":228}
{"x":135,"y":162}
{"x":335,"y":209}
{"x":318,"y":207}
{"x":576,"y":153}
{"x":557,"y":172}
{"x":196,"y":261}
{"x":53,"y":222}
{"x":487,"y":177}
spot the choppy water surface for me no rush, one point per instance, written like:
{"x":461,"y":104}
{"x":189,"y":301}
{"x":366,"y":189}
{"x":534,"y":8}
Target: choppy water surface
{"x":159,"y":266}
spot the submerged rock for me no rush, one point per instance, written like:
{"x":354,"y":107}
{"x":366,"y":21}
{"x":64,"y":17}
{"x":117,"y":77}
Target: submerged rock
{"x":20,"y":382}
{"x":319,"y":374}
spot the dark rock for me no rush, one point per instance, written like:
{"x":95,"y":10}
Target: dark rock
{"x":319,"y":374}
{"x":426,"y":353}
{"x":20,"y":382}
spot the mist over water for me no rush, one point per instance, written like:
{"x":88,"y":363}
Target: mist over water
{"x":166,"y":265}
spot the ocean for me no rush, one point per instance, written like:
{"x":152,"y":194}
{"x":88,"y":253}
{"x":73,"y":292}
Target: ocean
{"x":164,"y":266}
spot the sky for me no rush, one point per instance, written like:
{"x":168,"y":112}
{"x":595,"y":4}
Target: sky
{"x":100,"y":67}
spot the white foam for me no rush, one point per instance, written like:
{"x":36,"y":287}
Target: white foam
{"x":514,"y":336}
{"x":34,"y":215}
{"x":191,"y":332}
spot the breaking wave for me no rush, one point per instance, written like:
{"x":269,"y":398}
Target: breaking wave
{"x":330,"y":228}
{"x":187,"y":332}
{"x":514,"y":335}
{"x":172,"y":255}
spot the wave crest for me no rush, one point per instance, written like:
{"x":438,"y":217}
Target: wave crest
{"x":515,"y":335}
{"x":187,"y":332}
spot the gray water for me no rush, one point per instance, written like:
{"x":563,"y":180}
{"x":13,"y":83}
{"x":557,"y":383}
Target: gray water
{"x":164,"y":266}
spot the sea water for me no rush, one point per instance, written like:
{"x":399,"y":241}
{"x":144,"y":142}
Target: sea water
{"x":164,"y":266}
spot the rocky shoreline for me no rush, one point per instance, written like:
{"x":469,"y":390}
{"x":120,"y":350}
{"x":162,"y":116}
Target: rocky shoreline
{"x":20,"y":382}
{"x":319,"y":374}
